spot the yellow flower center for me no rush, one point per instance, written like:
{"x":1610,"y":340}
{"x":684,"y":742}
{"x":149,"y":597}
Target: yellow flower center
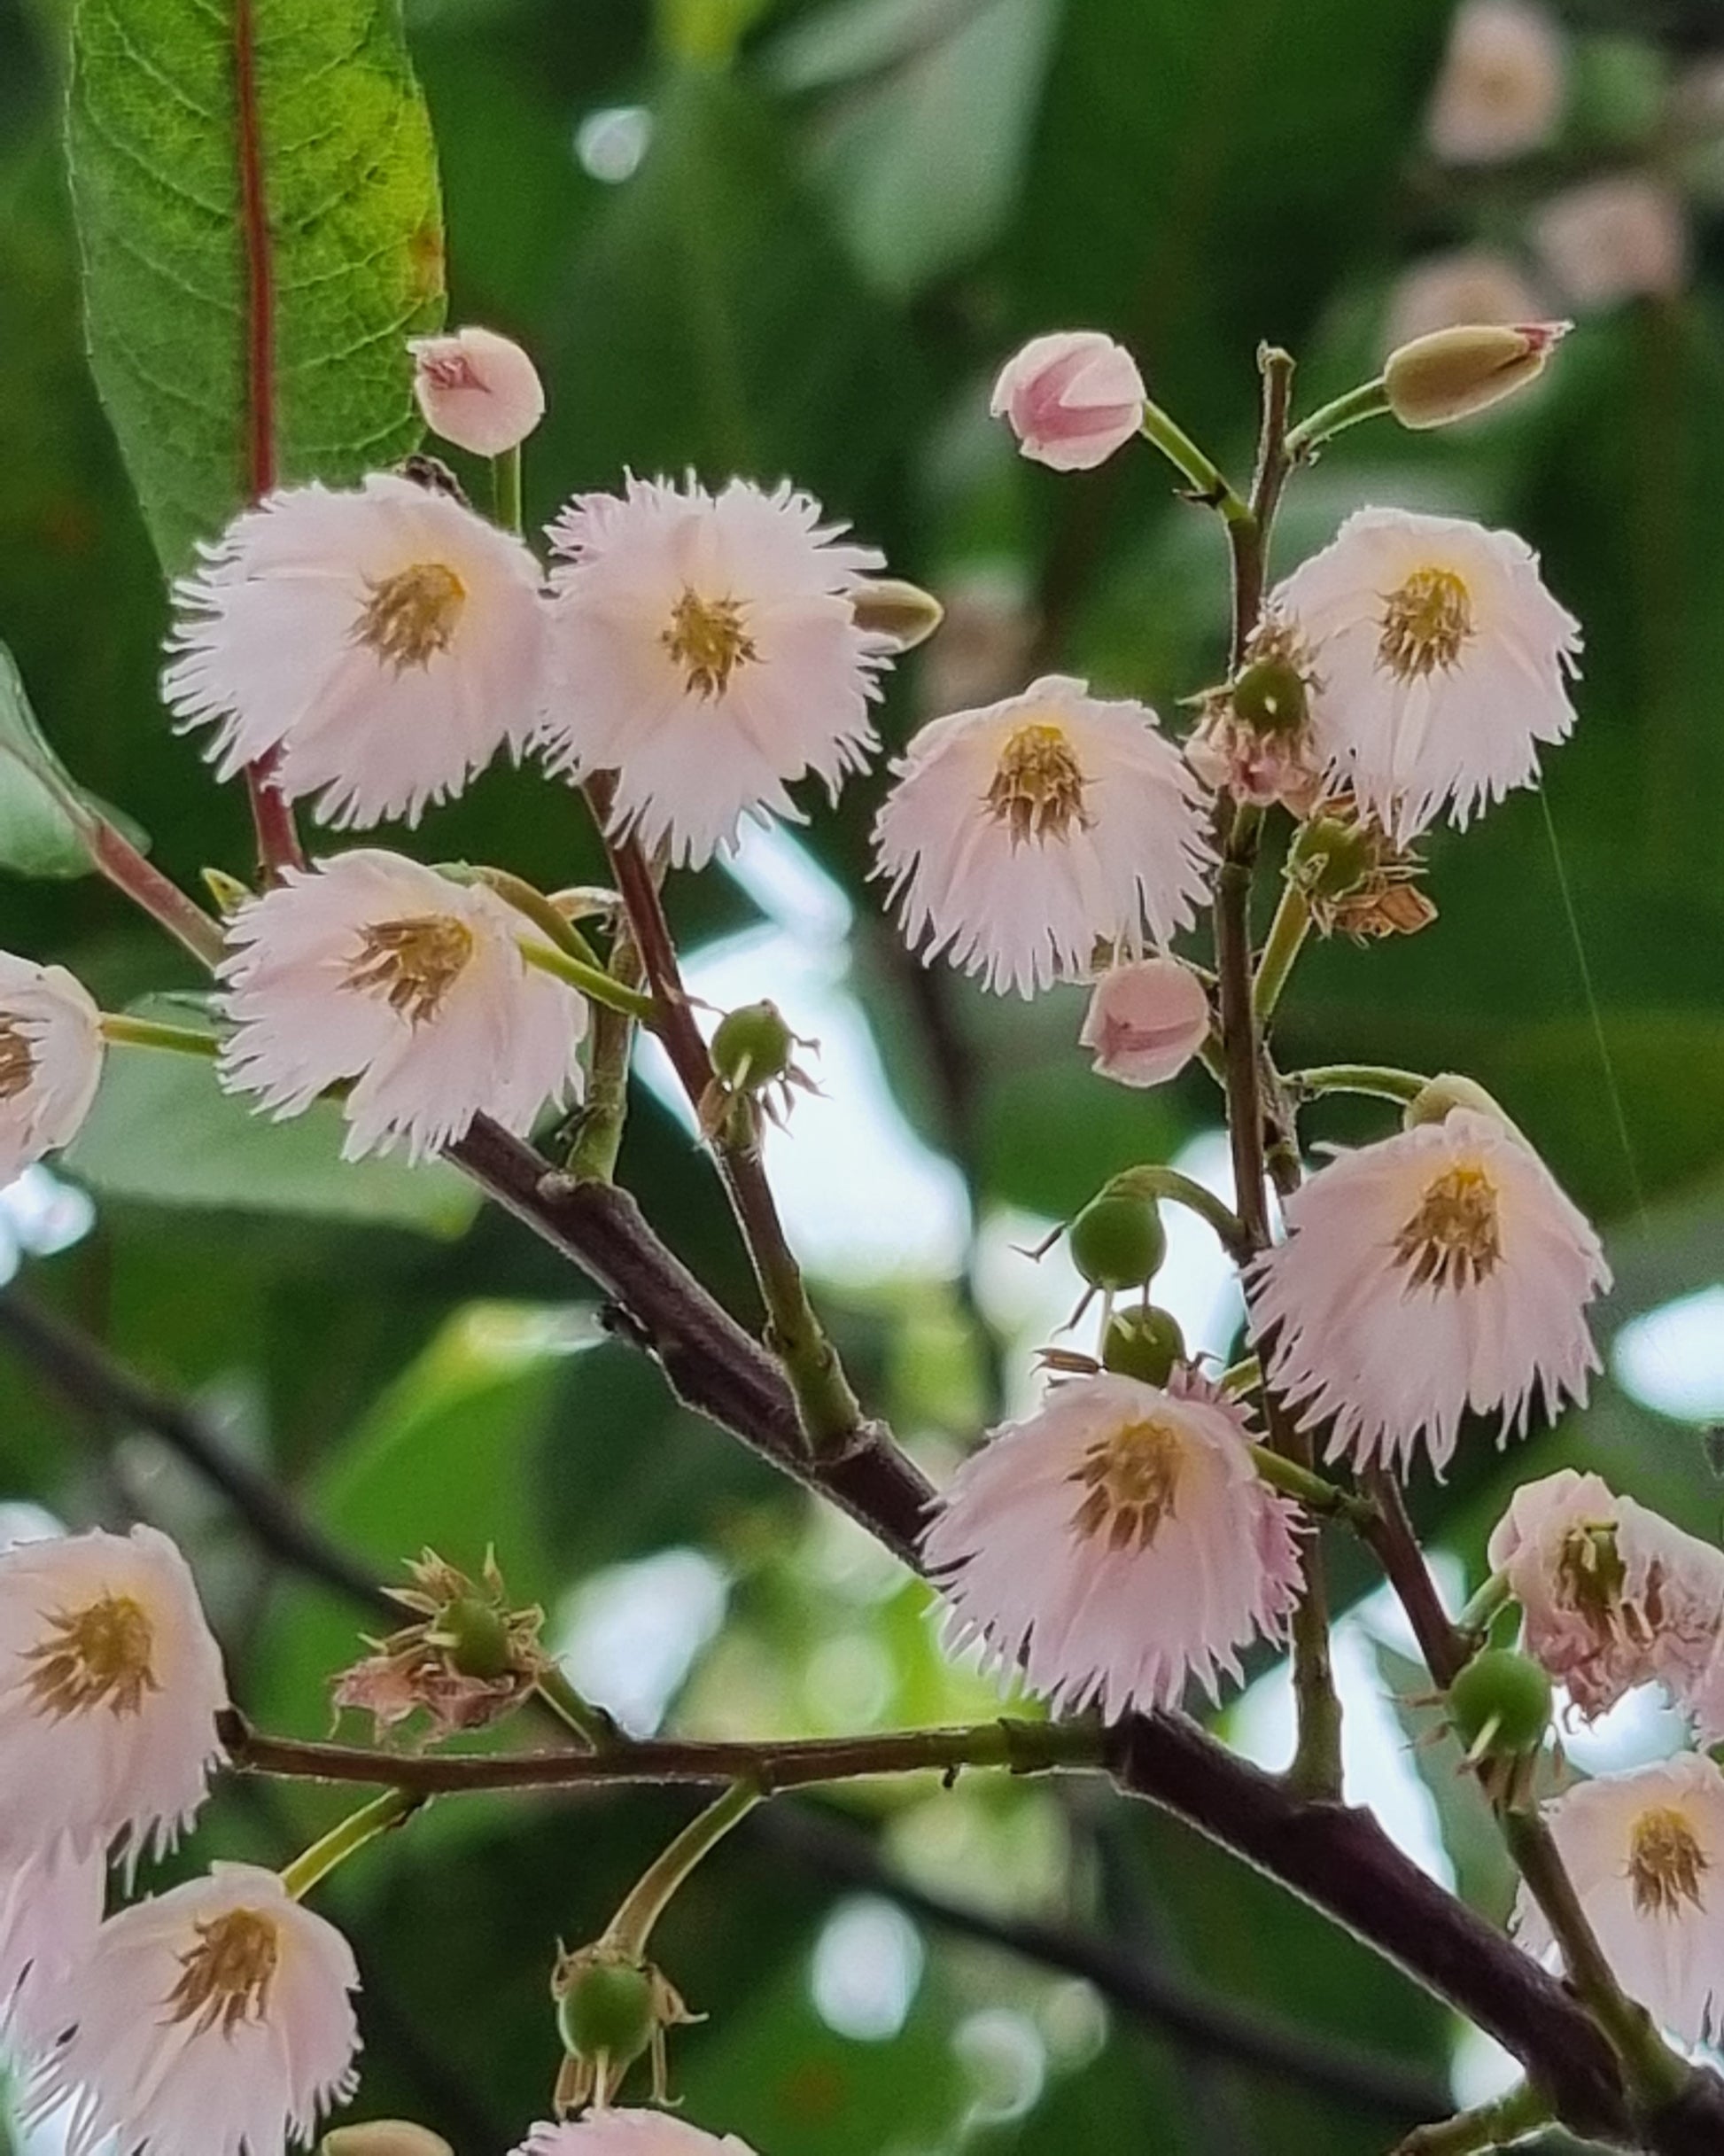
{"x":1452,"y":1240}
{"x":96,"y":1656}
{"x":707,"y":640}
{"x":18,"y":1059}
{"x":411,"y":964}
{"x":1590,"y":1574}
{"x":1426,"y":623}
{"x":225,"y":1977}
{"x":411,"y":616}
{"x":1131,"y":1480}
{"x":1666,"y":1863}
{"x":1037,"y":788}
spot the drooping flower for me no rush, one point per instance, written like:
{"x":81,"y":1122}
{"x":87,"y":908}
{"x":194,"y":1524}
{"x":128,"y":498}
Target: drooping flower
{"x":386,"y":642}
{"x":1645,"y":1852}
{"x":476,"y":389}
{"x":1613,"y":1595}
{"x":708,"y":655}
{"x":212,"y":2020}
{"x":51,"y":1904}
{"x":1612,"y":239}
{"x":1146,"y":1020}
{"x":1116,"y":1544}
{"x":1019,"y":835}
{"x":110,"y":1685}
{"x":1071,"y":398}
{"x":371,"y":968}
{"x":628,"y":2133}
{"x":1435,"y":1273}
{"x":1440,"y":661}
{"x":1501,"y":91}
{"x":51,"y":1061}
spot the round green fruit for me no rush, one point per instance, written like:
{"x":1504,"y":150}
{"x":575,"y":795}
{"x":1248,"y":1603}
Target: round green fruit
{"x":1118,"y":1241}
{"x":1500,"y":1704}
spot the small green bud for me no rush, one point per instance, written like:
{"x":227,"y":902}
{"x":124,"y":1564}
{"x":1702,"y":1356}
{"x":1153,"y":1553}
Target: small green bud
{"x":384,"y":2137}
{"x":475,"y":1635}
{"x":1500,"y":1705}
{"x":1455,"y":372}
{"x":752,"y":1047}
{"x":1269,"y":696}
{"x":607,"y":2010}
{"x":1329,"y":859}
{"x":1439,"y":1097}
{"x":228,"y":891}
{"x":902,"y":613}
{"x":1117,"y":1241}
{"x":1143,"y":1343}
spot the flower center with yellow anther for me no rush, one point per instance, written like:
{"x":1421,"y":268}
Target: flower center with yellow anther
{"x":1426,"y":623}
{"x":1666,"y":1863}
{"x":1131,"y":1480}
{"x":1590,"y":1574}
{"x":18,"y":1060}
{"x":1038,"y":786}
{"x":411,"y":964}
{"x":225,"y":1978}
{"x":1452,"y":1241}
{"x":96,"y":1656}
{"x":410,"y":617}
{"x":707,"y":640}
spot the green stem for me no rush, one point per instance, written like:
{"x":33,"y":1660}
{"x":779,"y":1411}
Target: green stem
{"x":1184,"y":456}
{"x":592,"y":1724}
{"x":542,"y":912}
{"x":1380,"y":1081}
{"x":1315,"y":1493}
{"x":1490,"y":2126}
{"x":1286,"y":937}
{"x":121,"y":1031}
{"x":592,"y":981}
{"x":506,"y":489}
{"x":1495,"y":1595}
{"x":1369,"y":401}
{"x":1152,"y":1181}
{"x":363,"y":1825}
{"x":599,"y":1137}
{"x":630,"y":1929}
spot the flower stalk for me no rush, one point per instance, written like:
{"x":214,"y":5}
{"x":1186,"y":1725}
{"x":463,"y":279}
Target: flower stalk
{"x":379,"y":1817}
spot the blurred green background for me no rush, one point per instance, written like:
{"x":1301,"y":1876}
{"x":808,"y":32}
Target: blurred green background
{"x":798,"y":239}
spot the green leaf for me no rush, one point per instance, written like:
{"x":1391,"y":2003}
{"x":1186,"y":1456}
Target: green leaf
{"x":257,"y":199}
{"x":163,"y":1131}
{"x":46,"y":819}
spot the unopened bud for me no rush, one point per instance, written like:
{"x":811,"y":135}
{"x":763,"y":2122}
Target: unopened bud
{"x":228,"y":891}
{"x":1145,"y":1344}
{"x":901,"y":614}
{"x":1454,"y":373}
{"x":1270,"y":696}
{"x":1500,"y":1705}
{"x":1439,"y":1097}
{"x":1117,"y":1241}
{"x":1071,"y":399}
{"x":383,"y":2138}
{"x":476,"y":389}
{"x":1146,"y":1020}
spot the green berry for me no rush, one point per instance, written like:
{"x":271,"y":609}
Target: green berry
{"x":1331,"y":858}
{"x":752,"y":1047}
{"x":477,"y":1633}
{"x":1269,"y":696}
{"x":607,"y":2009}
{"x":1143,"y":1343}
{"x":1500,"y":1704}
{"x":1117,"y":1241}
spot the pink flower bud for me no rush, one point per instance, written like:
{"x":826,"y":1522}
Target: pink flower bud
{"x":1071,"y":399}
{"x":1146,"y":1021}
{"x":476,"y":389}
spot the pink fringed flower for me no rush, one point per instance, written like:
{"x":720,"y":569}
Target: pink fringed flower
{"x":628,"y":2133}
{"x":1439,"y":664}
{"x":110,"y":1685}
{"x":374,"y":969}
{"x":1146,"y":1021}
{"x":1501,"y":91}
{"x":1612,"y":1595}
{"x":387,"y":643}
{"x":1071,"y":399}
{"x":1116,"y":1544}
{"x":1436,"y":1274}
{"x":1020,"y":835}
{"x":476,"y":389}
{"x":51,"y":1061}
{"x":1646,"y":1853}
{"x":709,"y":656}
{"x":49,"y":1907}
{"x":212,"y":2021}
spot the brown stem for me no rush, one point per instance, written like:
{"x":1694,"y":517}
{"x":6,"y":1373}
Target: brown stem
{"x":145,"y":885}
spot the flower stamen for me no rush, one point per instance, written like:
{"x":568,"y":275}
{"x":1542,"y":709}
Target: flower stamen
{"x":411,"y":616}
{"x":1037,"y":787}
{"x":707,"y":640}
{"x":1131,"y":1481}
{"x":1666,"y":1863}
{"x":18,"y":1059}
{"x":1426,"y":623}
{"x":1452,"y":1241}
{"x":225,"y":1978}
{"x":413,"y":964}
{"x":96,"y":1656}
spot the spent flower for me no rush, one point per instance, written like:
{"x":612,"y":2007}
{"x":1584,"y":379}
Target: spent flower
{"x":466,"y":1660}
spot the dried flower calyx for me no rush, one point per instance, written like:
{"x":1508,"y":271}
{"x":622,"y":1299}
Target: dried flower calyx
{"x":1359,"y":882}
{"x":467,"y":1659}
